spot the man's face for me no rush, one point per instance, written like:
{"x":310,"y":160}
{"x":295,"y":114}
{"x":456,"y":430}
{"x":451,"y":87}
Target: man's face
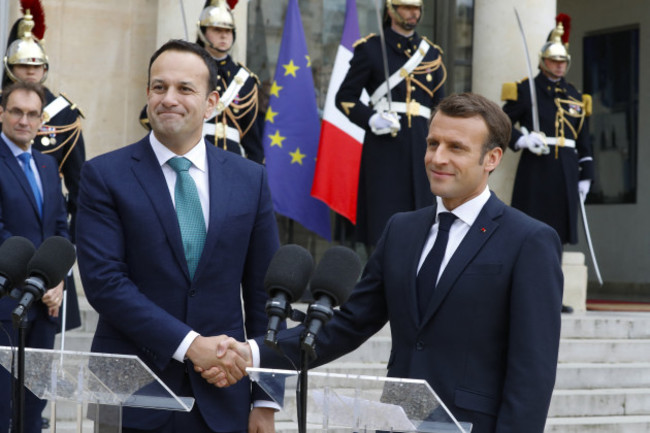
{"x":222,"y":40}
{"x":410,"y":15}
{"x":22,"y":118}
{"x":29,"y":73}
{"x":178,"y":99}
{"x":453,"y":159}
{"x":557,"y":68}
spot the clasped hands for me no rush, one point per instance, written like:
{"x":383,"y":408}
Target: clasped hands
{"x":221,"y":360}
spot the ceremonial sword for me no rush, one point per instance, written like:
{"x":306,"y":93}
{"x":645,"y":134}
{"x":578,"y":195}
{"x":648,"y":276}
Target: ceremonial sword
{"x":588,"y":236}
{"x":531,"y":78}
{"x":384,"y":55}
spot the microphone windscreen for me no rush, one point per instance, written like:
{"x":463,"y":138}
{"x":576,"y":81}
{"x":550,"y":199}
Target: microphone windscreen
{"x":52,"y":260}
{"x":15,"y":253}
{"x":289,"y":271}
{"x":336,"y":274}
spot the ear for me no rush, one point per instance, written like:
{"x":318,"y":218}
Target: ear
{"x":492,"y":159}
{"x":213,"y":99}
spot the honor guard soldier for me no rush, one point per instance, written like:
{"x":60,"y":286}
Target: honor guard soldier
{"x":392,"y":177}
{"x":232,"y":126}
{"x":556,"y":165}
{"x":60,"y":135}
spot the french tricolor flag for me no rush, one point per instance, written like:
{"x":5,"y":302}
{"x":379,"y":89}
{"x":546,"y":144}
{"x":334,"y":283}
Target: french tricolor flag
{"x":336,"y":177}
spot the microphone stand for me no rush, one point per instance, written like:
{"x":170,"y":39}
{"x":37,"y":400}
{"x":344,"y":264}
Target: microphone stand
{"x":21,"y":324}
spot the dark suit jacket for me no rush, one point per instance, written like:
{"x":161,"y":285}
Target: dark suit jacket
{"x":488,"y":343}
{"x":135,"y":274}
{"x":19,"y":214}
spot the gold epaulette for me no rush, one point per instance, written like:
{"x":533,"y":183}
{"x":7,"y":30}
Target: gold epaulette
{"x":144,"y":121}
{"x":73,"y":106}
{"x":433,"y":45}
{"x":257,"y":79}
{"x":509,"y":92}
{"x":363,"y":40}
{"x":586,"y":99}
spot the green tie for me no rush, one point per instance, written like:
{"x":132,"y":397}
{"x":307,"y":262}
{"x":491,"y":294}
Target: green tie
{"x":188,"y":210}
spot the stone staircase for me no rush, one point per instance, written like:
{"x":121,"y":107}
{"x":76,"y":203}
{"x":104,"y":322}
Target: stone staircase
{"x":602,"y":386}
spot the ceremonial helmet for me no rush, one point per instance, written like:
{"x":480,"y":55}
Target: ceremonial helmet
{"x":557,"y":45}
{"x":24,"y":47}
{"x":217,"y":13}
{"x":391,"y":4}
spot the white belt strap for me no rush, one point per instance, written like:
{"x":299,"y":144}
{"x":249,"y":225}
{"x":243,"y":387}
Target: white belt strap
{"x":557,"y":141}
{"x":231,"y":92}
{"x":402,"y":72}
{"x":55,"y":107}
{"x":210,"y":128}
{"x":413,"y":107}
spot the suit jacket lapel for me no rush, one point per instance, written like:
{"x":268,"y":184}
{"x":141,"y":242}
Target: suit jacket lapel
{"x":479,"y":233}
{"x":14,"y":167}
{"x":147,"y":171}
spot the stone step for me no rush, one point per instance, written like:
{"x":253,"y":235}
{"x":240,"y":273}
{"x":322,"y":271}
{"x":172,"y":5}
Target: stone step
{"x":606,"y":324}
{"x":604,"y":350}
{"x":602,"y":375}
{"x":600,"y":402}
{"x":599,"y":424}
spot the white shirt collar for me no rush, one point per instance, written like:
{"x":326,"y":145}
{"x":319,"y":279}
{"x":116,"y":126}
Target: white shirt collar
{"x":15,"y":150}
{"x":468,"y":211}
{"x":197,"y":155}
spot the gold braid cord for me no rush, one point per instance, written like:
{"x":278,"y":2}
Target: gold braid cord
{"x":423,"y":71}
{"x":235,"y":112}
{"x":75,"y":127}
{"x":561,"y":121}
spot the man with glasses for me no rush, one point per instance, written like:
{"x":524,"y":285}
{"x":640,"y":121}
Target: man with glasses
{"x":32,"y":206}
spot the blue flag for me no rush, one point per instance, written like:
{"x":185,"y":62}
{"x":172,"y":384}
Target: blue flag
{"x":292,"y":131}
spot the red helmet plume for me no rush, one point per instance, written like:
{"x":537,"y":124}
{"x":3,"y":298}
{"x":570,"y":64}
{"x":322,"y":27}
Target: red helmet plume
{"x":36,"y":9}
{"x":566,"y":23}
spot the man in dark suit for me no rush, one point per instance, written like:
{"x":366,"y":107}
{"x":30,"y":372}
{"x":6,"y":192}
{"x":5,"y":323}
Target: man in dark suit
{"x":166,"y":287}
{"x":483,"y":329}
{"x":32,"y":206}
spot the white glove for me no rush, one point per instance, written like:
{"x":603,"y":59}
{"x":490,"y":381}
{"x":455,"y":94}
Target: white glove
{"x":583,"y":188}
{"x":533,"y":141}
{"x":384,"y":122}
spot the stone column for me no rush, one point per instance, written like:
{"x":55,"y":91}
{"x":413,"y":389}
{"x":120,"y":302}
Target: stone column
{"x":498,"y":57}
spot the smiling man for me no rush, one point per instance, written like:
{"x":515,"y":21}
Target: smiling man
{"x":174,"y":235}
{"x":471,"y":287}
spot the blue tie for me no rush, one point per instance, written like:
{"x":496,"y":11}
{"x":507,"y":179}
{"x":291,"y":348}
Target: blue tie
{"x":427,"y":277}
{"x":189,"y":212}
{"x":25,"y":157}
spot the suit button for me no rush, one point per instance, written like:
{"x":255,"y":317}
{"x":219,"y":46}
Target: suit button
{"x":419,"y":345}
{"x":192,"y":293}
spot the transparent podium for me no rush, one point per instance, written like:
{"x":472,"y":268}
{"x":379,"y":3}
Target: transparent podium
{"x":345,"y":403}
{"x":102,"y":383}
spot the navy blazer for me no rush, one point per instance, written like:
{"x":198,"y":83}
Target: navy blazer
{"x":135,"y":274}
{"x":488,"y":342}
{"x":19,"y":214}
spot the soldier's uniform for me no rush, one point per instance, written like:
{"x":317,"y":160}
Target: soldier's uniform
{"x":392,"y":177}
{"x":546,"y":186}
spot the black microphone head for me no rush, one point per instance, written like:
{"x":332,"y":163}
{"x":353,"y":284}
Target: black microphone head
{"x":52,"y":260}
{"x":289,"y":271}
{"x":336,"y":274}
{"x":15,"y":253}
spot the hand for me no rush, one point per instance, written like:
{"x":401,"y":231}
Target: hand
{"x":203,"y":352}
{"x":218,"y":376}
{"x":533,"y":141}
{"x":384,"y":123}
{"x":261,"y":420}
{"x":583,"y":188}
{"x":53,"y":298}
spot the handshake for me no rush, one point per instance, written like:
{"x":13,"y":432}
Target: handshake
{"x":221,"y":360}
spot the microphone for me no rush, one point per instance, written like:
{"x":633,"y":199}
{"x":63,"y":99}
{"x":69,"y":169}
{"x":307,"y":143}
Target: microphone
{"x":285,"y":281}
{"x":47,"y":268}
{"x":15,"y":252}
{"x":333,"y":280}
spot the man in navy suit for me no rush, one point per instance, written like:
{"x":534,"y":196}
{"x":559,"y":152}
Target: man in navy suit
{"x":154,"y":301}
{"x":483,"y":331}
{"x":35,"y":210}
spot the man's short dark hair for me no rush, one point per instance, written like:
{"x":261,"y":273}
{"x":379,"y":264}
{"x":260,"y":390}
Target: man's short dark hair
{"x":188,"y":47}
{"x":21,"y":85}
{"x":472,"y":104}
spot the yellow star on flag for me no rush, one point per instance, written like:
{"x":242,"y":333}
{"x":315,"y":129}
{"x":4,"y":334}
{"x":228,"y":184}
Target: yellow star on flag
{"x":276,"y":139}
{"x":290,"y":69}
{"x":308,"y":61}
{"x":270,"y":115}
{"x":297,"y":156}
{"x":275,"y":89}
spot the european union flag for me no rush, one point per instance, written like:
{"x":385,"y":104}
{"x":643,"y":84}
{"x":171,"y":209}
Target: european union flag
{"x":292,"y":130}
